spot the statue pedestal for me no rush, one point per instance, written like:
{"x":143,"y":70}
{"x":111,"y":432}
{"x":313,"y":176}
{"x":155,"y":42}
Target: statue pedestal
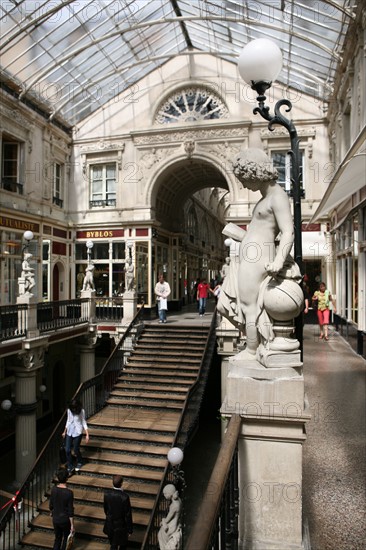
{"x":88,"y":308}
{"x":271,"y":404}
{"x":27,"y":319}
{"x":129,"y":306}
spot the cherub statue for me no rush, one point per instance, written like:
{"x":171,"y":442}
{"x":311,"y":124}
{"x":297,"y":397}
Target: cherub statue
{"x":170,"y":532}
{"x":263,"y":252}
{"x":27,"y":274}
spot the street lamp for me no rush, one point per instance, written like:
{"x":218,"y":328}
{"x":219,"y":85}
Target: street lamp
{"x":175,"y":457}
{"x":259,"y":64}
{"x":28,"y":236}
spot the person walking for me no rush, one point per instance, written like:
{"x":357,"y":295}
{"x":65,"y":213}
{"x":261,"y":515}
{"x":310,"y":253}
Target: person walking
{"x":321,"y":300}
{"x":62,"y":510}
{"x":162,"y":291}
{"x":73,"y":433}
{"x":118,"y":523}
{"x":202,"y":294}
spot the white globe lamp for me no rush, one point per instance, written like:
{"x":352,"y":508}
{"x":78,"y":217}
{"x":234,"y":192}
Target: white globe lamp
{"x":260,"y":61}
{"x":175,"y":456}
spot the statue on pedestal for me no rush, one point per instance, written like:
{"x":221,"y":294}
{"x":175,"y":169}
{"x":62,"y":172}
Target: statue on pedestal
{"x":225,"y":268}
{"x":264,"y":286}
{"x":170,"y":532}
{"x":88,"y":283}
{"x":26,"y":281}
{"x":130,"y":275}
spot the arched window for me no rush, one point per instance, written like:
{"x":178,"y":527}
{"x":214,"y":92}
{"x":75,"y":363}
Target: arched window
{"x":191,"y":104}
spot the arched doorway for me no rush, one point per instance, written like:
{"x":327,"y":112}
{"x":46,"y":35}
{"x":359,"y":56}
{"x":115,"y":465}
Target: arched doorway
{"x":189,"y":213}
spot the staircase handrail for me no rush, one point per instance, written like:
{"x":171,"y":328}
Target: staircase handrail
{"x":224,"y":479}
{"x":181,"y":440}
{"x":95,"y":393}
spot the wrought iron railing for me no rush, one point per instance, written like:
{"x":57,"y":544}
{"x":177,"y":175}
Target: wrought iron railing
{"x":53,"y":315}
{"x":186,"y":429}
{"x":93,"y":394}
{"x":109,"y":308}
{"x":13,"y":321}
{"x":216,"y":525}
{"x":11,"y":185}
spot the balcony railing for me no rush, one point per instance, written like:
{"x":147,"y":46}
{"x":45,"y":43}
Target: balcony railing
{"x":13,"y":321}
{"x":11,"y":185}
{"x":58,"y":202}
{"x":102,"y":203}
{"x":54,"y":315}
{"x":109,"y":309}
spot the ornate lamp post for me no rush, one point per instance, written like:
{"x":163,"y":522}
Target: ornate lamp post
{"x":175,"y":457}
{"x":259,"y":64}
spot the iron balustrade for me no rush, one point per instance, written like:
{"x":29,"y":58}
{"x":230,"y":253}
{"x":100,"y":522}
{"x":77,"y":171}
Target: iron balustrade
{"x":93,"y":393}
{"x":109,"y":308}
{"x":12,"y":186}
{"x":53,"y":315}
{"x":13,"y":321}
{"x":186,"y":429}
{"x":216,"y":526}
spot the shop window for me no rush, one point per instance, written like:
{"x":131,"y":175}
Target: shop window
{"x":10,"y":166}
{"x":282,"y":161}
{"x":57,"y":184}
{"x":102,"y":185}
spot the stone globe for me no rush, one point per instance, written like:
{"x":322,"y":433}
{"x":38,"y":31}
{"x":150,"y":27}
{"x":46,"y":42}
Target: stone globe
{"x":283,"y":300}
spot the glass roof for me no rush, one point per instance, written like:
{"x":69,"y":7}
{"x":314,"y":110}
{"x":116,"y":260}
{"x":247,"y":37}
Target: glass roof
{"x":73,"y":56}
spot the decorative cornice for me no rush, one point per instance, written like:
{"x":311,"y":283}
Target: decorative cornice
{"x":102,"y":146}
{"x":183,"y":135}
{"x":14,"y":116}
{"x":282,"y":132}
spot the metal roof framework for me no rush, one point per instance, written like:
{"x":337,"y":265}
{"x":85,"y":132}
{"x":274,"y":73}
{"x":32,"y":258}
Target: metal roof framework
{"x":73,"y":56}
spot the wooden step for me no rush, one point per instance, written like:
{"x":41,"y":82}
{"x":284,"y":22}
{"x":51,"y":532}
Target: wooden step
{"x":127,"y":472}
{"x":96,"y":512}
{"x":45,"y":539}
{"x":166,"y":353}
{"x":101,"y":483}
{"x":181,"y":390}
{"x":156,"y":421}
{"x":173,"y":396}
{"x":137,"y":448}
{"x":170,"y":405}
{"x":158,"y":361}
{"x":128,"y":436}
{"x":166,"y":370}
{"x":146,"y":375}
{"x":123,"y":458}
{"x":96,"y":496}
{"x":85,"y":528}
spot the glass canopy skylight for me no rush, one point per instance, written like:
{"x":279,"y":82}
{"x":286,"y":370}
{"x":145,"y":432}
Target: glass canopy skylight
{"x":72,"y":56}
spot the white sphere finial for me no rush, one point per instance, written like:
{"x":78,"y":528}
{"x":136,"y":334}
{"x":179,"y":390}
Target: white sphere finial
{"x":28,"y":235}
{"x":260,"y":61}
{"x":175,"y":456}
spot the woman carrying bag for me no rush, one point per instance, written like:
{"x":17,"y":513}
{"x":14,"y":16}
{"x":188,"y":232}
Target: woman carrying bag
{"x":321,"y":301}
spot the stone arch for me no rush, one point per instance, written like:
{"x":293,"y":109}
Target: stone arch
{"x":209,"y":164}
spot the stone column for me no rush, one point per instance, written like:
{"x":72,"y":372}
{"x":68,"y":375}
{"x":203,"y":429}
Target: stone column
{"x":87,"y":356}
{"x":32,"y":359}
{"x":88,"y":309}
{"x":129,"y":306}
{"x":271,"y":404}
{"x":27,"y":319}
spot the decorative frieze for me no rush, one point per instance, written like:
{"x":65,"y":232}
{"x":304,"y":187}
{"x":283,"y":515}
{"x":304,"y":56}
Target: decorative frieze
{"x":181,"y":136}
{"x":102,"y":145}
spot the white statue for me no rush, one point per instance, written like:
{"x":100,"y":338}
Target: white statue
{"x":170,"y":532}
{"x":88,"y":283}
{"x":225,"y":268}
{"x":27,"y":275}
{"x":130,"y":275}
{"x":263,"y":256}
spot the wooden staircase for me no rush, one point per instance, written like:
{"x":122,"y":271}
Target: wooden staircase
{"x":131,"y":435}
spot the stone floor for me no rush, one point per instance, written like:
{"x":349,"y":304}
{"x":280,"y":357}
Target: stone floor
{"x":334,"y":499}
